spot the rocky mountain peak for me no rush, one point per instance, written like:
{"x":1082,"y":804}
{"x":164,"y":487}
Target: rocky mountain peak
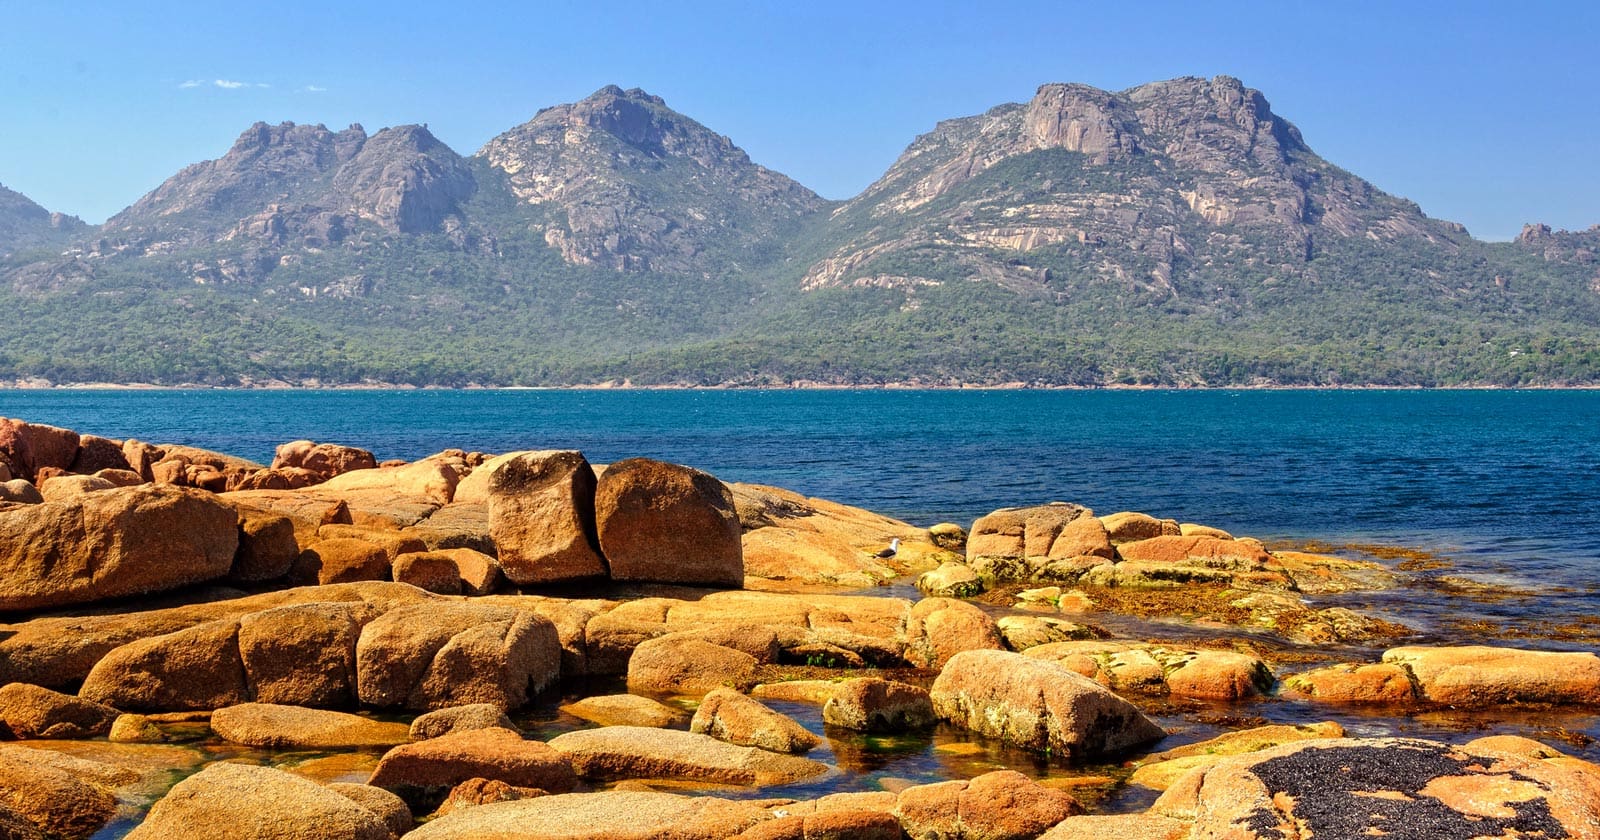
{"x":1079,"y":118}
{"x":1134,"y":184}
{"x":290,"y":182}
{"x":23,"y":223}
{"x":404,"y":179}
{"x":625,"y":181}
{"x":1532,"y":233}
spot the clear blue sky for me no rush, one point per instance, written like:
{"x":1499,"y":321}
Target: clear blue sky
{"x":1483,"y":112}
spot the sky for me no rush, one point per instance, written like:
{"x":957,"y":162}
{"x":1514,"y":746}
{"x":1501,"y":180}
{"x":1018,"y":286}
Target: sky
{"x":1485,"y":113}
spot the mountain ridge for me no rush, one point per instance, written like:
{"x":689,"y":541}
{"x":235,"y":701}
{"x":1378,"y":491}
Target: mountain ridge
{"x":1178,"y":232}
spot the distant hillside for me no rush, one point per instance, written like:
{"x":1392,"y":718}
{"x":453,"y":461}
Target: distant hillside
{"x":25,"y":225}
{"x":1176,"y":233}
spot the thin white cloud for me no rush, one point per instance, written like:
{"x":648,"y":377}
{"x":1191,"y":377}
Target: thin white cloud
{"x":313,"y":89}
{"x":227,"y":84}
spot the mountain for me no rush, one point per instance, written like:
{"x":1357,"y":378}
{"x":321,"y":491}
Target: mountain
{"x":303,"y":182}
{"x":24,"y":224}
{"x":1178,"y":233}
{"x":1135,"y":187}
{"x":622,"y":181}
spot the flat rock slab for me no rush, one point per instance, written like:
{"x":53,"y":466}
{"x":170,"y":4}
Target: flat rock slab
{"x":1386,"y":786}
{"x":1480,"y":676}
{"x":294,"y":727}
{"x":496,"y":754}
{"x":607,"y":815}
{"x":228,"y":801}
{"x":640,"y":752}
{"x":624,"y":710}
{"x":1120,"y":827}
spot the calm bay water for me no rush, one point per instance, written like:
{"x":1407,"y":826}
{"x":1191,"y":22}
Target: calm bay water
{"x":1503,"y":482}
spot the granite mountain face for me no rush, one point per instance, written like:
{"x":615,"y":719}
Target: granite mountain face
{"x":24,"y":224}
{"x":1175,"y":233}
{"x":305,"y":184}
{"x":1134,"y":186}
{"x":620,"y":180}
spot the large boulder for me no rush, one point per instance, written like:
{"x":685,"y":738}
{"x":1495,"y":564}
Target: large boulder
{"x":939,"y":628}
{"x":20,"y":491}
{"x":1006,"y":544}
{"x":97,"y":453}
{"x":276,"y":727}
{"x":390,"y":808}
{"x":456,"y":525}
{"x":1385,"y":786}
{"x":1129,"y":526}
{"x":430,"y":656}
{"x":493,"y":753}
{"x":322,"y":460}
{"x":242,"y":802}
{"x":267,"y":546}
{"x":56,"y":801}
{"x":1480,"y":676}
{"x":642,"y":752}
{"x":604,"y":815}
{"x":448,"y":571}
{"x":1037,"y":704}
{"x":441,"y":722}
{"x":730,"y":716}
{"x":27,"y":447}
{"x":193,"y":669}
{"x":684,"y":664}
{"x":29,"y":711}
{"x":668,"y":523}
{"x":871,"y":704}
{"x":1002,"y":805}
{"x":116,"y":542}
{"x":433,"y":478}
{"x":62,"y":488}
{"x":1380,"y":683}
{"x":341,"y":560}
{"x":541,"y":517}
{"x":303,"y":654}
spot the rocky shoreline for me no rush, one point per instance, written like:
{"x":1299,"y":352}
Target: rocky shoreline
{"x":526,"y":644}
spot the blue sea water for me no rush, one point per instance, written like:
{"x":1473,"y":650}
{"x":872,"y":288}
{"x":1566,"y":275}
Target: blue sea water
{"x":1504,"y":483}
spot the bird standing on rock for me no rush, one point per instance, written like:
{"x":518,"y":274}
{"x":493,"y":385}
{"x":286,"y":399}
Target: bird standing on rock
{"x":894,"y":548}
